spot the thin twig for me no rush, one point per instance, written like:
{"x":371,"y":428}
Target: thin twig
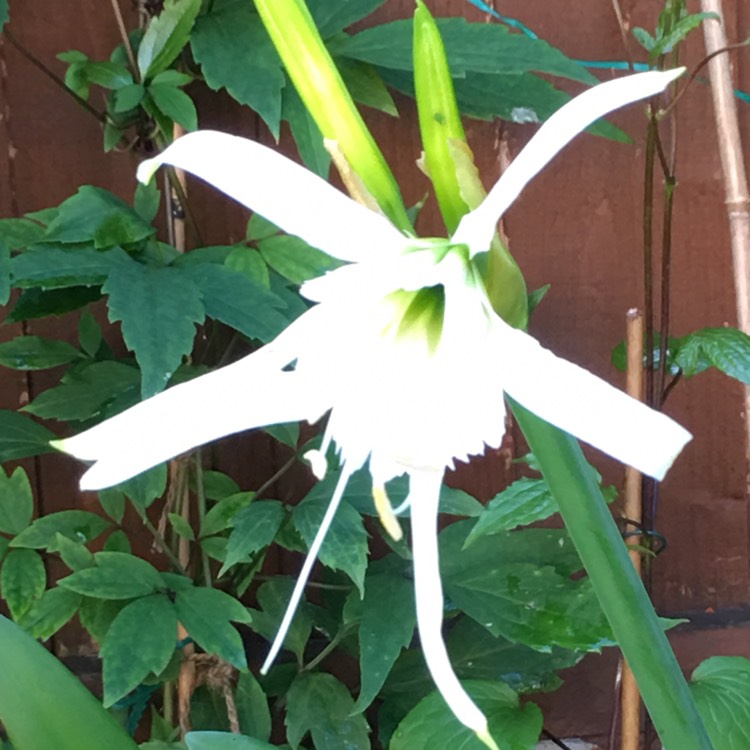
{"x":162,"y":544}
{"x":273,"y":478}
{"x":37,"y":63}
{"x":623,"y":27}
{"x":126,"y":40}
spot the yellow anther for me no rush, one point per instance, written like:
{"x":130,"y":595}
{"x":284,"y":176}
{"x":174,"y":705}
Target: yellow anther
{"x":386,"y":514}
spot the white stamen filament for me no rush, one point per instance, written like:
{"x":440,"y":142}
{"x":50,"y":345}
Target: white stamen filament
{"x":304,"y":575}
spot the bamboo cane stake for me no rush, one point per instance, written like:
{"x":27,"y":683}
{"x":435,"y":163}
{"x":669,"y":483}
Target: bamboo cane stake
{"x":630,"y":699}
{"x":737,"y":198}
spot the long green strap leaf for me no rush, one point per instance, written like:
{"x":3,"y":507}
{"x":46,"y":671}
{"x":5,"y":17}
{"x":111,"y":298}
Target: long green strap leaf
{"x":43,"y":706}
{"x":618,"y":587}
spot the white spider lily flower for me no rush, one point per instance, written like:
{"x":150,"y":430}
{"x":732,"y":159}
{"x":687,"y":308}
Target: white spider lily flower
{"x":403,"y":349}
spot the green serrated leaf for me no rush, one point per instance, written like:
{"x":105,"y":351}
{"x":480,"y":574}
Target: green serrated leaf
{"x":52,"y":267}
{"x":518,"y":585}
{"x":77,"y":525}
{"x":84,"y":393}
{"x":116,"y":576}
{"x":94,"y":214}
{"x":345,"y":545}
{"x":220,"y":516}
{"x":16,"y":501}
{"x":146,"y":200}
{"x":259,"y":228}
{"x":254,"y":528}
{"x":36,"y":353}
{"x":235,"y":53}
{"x":125,"y":667}
{"x":49,"y":613}
{"x":181,"y":526}
{"x":522,"y":503}
{"x":21,"y":437}
{"x":39,"y":303}
{"x":252,"y":707}
{"x":471,"y":48}
{"x":294,"y":259}
{"x":726,"y":349}
{"x":20,"y":233}
{"x":332,"y":16}
{"x":318,"y":703}
{"x":247,"y":261}
{"x":721,"y":689}
{"x":175,"y":104}
{"x":388,"y":619}
{"x":166,"y":36}
{"x":146,"y":487}
{"x":217,"y":485}
{"x":366,"y":86}
{"x":235,"y":300}
{"x":306,"y":134}
{"x":287,"y":433}
{"x":158,"y":309}
{"x":273,"y":598}
{"x":432,"y":724}
{"x":89,"y":333}
{"x":22,"y":580}
{"x":74,"y":554}
{"x":207,"y":615}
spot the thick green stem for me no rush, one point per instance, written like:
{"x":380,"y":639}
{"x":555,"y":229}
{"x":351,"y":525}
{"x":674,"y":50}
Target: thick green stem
{"x":321,"y":88}
{"x":618,"y":587}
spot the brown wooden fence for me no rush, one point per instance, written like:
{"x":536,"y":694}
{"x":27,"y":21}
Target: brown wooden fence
{"x":577,"y":227}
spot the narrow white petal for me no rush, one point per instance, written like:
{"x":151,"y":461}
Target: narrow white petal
{"x":476,"y":228}
{"x":286,"y":194}
{"x":424,"y":495}
{"x":223,"y":402}
{"x":304,"y":575}
{"x":587,"y":407}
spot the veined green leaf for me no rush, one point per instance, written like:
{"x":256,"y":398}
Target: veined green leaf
{"x":36,"y":353}
{"x":116,"y":576}
{"x":220,"y":516}
{"x":726,"y":349}
{"x":20,"y":233}
{"x":306,"y":134}
{"x":388,"y":619}
{"x":237,"y":301}
{"x":345,"y":545}
{"x":366,"y":86}
{"x":146,"y":487}
{"x":332,"y":16}
{"x":85,"y":392}
{"x":22,"y":580}
{"x":255,"y":527}
{"x":721,"y":689}
{"x":158,"y":309}
{"x":89,"y":333}
{"x":16,"y":501}
{"x":77,"y":525}
{"x":273,"y":597}
{"x":98,"y":215}
{"x":175,"y":104}
{"x":471,"y":47}
{"x":42,"y":705}
{"x":318,"y":703}
{"x":73,"y":553}
{"x":431,"y":724}
{"x":235,"y":53}
{"x":39,"y":303}
{"x":207,"y":615}
{"x":52,"y":267}
{"x":108,"y":75}
{"x":50,"y":612}
{"x":166,"y":36}
{"x":21,"y":437}
{"x":294,"y":259}
{"x":125,"y":667}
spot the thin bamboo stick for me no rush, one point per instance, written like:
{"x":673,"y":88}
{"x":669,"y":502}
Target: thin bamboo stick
{"x":737,"y":198}
{"x":630,"y":699}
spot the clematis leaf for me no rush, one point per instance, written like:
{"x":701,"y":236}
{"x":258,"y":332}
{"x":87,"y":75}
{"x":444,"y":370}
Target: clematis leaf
{"x":124,"y":668}
{"x":345,"y":546}
{"x":318,"y":703}
{"x":21,"y":437}
{"x":166,"y":36}
{"x":22,"y":580}
{"x":16,"y":501}
{"x":235,"y":53}
{"x":431,"y":724}
{"x":388,"y":621}
{"x":158,"y":309}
